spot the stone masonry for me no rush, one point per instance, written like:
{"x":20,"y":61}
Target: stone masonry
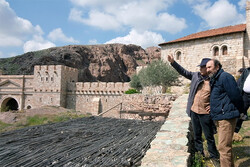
{"x":171,"y":146}
{"x":56,"y":85}
{"x":232,"y":49}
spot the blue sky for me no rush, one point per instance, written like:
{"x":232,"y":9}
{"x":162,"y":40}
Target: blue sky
{"x":30,"y":25}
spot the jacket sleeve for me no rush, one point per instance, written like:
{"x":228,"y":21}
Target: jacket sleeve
{"x":182,"y":71}
{"x":242,"y":79}
{"x":233,"y":91}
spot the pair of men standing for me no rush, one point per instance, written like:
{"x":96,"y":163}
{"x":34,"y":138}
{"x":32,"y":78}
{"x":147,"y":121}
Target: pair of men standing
{"x":215,"y":90}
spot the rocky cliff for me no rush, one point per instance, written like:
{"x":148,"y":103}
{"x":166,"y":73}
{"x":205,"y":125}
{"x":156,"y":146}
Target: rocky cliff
{"x":107,"y":62}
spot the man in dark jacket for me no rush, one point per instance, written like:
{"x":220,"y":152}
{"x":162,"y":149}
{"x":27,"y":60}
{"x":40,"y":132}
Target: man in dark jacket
{"x":225,"y":107}
{"x":243,"y":83}
{"x":198,"y":101}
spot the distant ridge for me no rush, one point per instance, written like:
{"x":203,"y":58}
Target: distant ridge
{"x":106,"y":62}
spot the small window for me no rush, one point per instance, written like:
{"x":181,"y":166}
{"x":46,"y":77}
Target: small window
{"x":178,"y":55}
{"x":28,"y":107}
{"x":216,"y":51}
{"x":224,"y":50}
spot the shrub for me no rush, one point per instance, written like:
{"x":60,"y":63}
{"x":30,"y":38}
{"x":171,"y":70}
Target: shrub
{"x":131,"y":91}
{"x":157,"y":73}
{"x":135,"y":82}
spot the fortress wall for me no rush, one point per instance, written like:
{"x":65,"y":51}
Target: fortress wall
{"x":47,"y":77}
{"x":28,"y":101}
{"x":42,"y":99}
{"x":93,"y":103}
{"x":18,"y":79}
{"x":68,"y":75}
{"x":16,"y":83}
{"x":96,"y":104}
{"x":101,"y":88}
{"x":194,"y":50}
{"x":4,"y":98}
{"x":95,"y":97}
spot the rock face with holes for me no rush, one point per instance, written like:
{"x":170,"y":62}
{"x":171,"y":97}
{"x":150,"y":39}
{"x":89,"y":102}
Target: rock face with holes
{"x":105,"y":63}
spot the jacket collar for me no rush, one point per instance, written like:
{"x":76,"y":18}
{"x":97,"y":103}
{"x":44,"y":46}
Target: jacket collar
{"x":215,"y":76}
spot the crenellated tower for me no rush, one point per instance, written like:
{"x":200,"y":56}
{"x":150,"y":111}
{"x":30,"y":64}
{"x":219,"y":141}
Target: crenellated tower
{"x":50,"y":84}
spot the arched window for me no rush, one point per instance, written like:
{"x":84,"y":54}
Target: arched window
{"x":178,"y":55}
{"x":216,"y":51}
{"x":224,"y":50}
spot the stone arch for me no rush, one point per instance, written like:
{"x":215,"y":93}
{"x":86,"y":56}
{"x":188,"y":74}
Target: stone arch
{"x":9,"y":103}
{"x":224,"y":50}
{"x":215,"y":50}
{"x":178,"y":54}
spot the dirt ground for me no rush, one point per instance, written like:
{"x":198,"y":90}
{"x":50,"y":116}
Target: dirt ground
{"x":11,"y":117}
{"x":241,"y":149}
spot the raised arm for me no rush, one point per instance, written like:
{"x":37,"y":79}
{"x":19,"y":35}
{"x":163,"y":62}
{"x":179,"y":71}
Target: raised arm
{"x":182,"y":71}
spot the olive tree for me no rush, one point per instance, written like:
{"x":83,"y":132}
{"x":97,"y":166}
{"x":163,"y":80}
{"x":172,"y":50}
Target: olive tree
{"x":135,"y":82}
{"x":158,"y":73}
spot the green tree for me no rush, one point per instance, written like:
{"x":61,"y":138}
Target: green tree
{"x":135,"y":82}
{"x":157,"y":73}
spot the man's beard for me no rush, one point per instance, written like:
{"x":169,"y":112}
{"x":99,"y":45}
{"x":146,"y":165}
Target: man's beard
{"x":211,"y":75}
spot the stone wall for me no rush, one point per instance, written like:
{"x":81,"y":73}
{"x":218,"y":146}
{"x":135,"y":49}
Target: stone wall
{"x":194,"y":50}
{"x":133,"y":104}
{"x":13,"y":87}
{"x":172,"y":146}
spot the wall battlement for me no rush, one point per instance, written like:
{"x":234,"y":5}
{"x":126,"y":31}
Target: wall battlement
{"x":57,"y":85}
{"x":98,"y":87}
{"x":54,"y":68}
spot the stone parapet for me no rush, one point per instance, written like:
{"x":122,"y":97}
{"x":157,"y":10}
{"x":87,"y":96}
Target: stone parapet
{"x":171,"y":145}
{"x":99,"y":88}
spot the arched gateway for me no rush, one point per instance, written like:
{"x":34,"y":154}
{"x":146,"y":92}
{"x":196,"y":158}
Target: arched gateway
{"x":9,"y":104}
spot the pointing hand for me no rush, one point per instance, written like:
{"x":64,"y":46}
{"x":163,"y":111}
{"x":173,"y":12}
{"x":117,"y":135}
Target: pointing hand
{"x":170,"y":58}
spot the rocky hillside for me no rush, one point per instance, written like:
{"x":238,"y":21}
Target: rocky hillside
{"x":107,"y":63}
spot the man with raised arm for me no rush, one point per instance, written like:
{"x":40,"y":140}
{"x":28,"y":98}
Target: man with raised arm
{"x":198,"y":106}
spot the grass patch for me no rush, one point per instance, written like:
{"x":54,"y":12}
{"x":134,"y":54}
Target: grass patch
{"x":198,"y":160}
{"x":36,"y":120}
{"x":3,"y":125}
{"x":240,"y":148}
{"x":41,"y":120}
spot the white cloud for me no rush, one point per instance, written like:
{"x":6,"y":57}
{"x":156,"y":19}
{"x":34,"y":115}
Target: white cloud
{"x":144,"y":39}
{"x":58,"y":35}
{"x":93,"y":42}
{"x":219,"y":14}
{"x":14,"y":30}
{"x":37,"y":43}
{"x":242,"y":4}
{"x":141,"y":15}
{"x":171,"y":23}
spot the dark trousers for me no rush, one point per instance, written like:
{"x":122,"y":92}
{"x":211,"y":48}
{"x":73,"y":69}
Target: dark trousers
{"x":246,"y":100}
{"x":203,"y":122}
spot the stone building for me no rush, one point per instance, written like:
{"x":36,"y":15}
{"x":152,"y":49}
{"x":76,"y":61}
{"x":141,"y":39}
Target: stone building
{"x":57,"y":85}
{"x":230,"y":45}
